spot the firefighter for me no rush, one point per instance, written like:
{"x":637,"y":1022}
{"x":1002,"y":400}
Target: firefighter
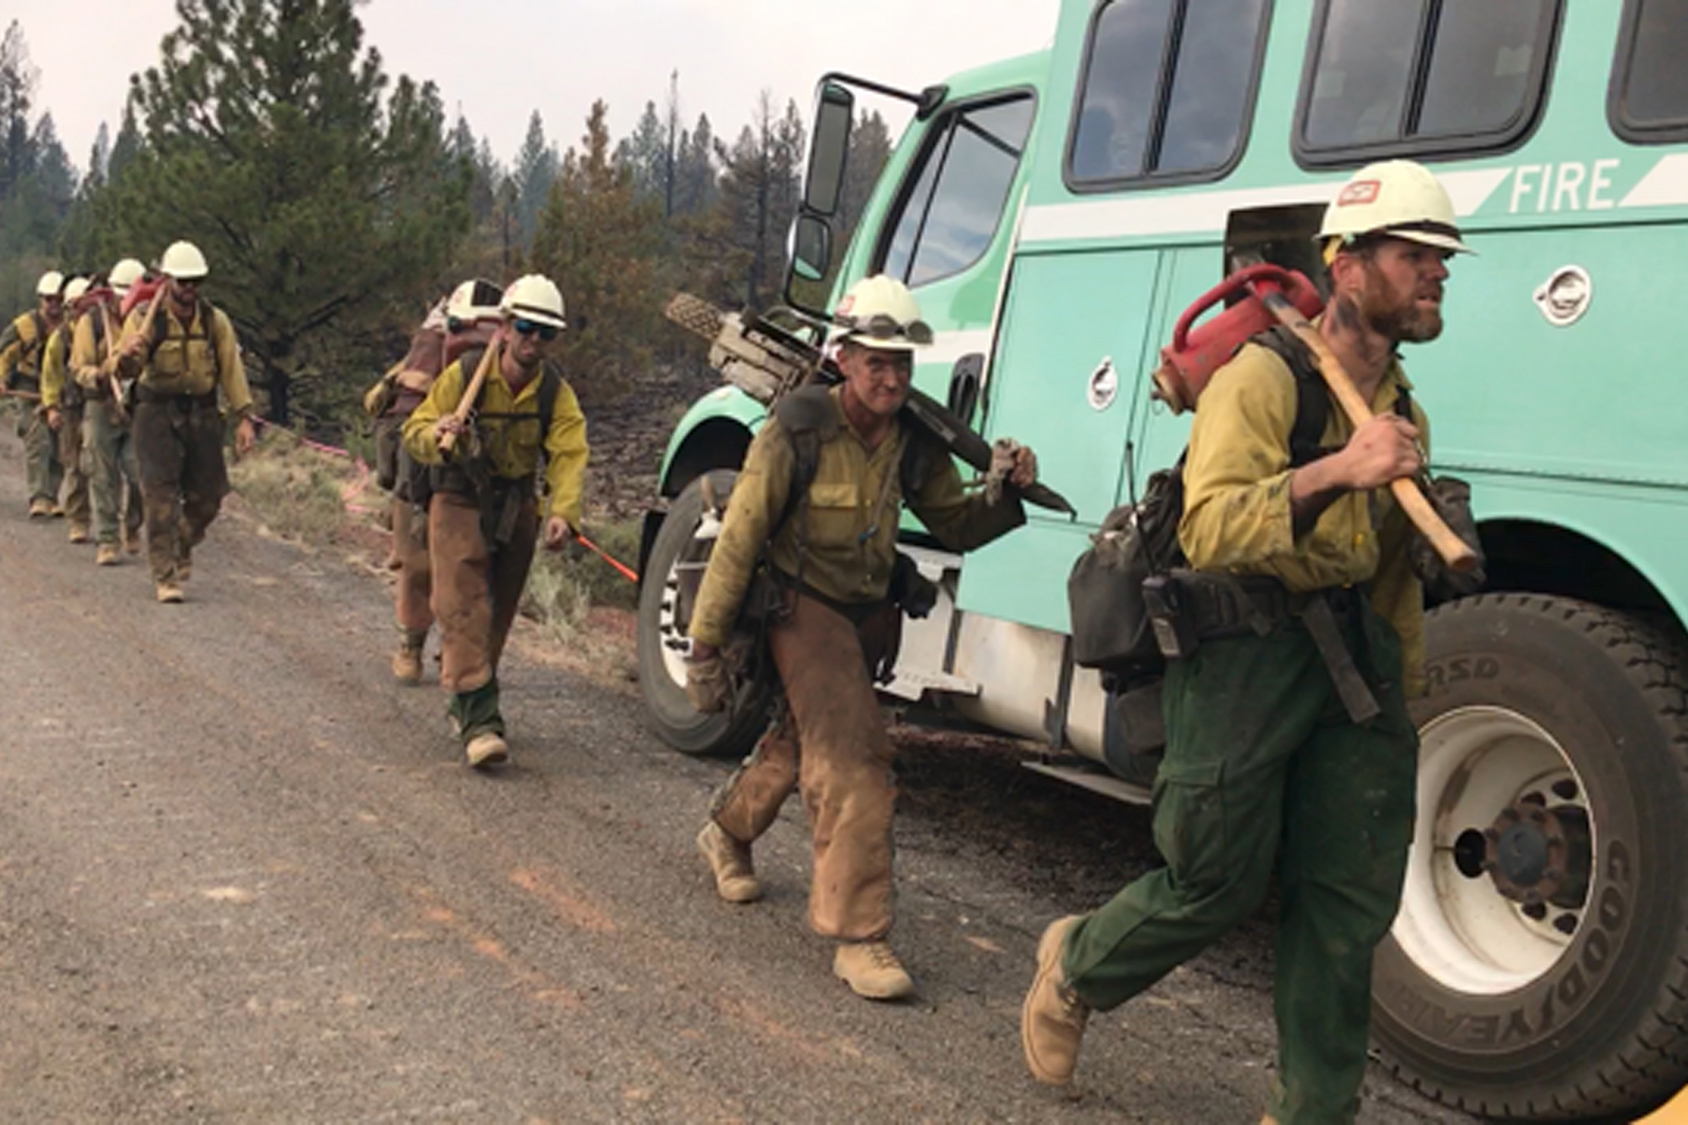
{"x":114,"y":477}
{"x":181,"y":351}
{"x":813,"y":518}
{"x":484,"y":515}
{"x":466,"y":319}
{"x":63,"y":401}
{"x":1289,"y":749}
{"x":22,"y":349}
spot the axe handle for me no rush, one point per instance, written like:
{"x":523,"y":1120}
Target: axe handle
{"x":470,"y":394}
{"x":111,"y":369}
{"x":1451,"y":547}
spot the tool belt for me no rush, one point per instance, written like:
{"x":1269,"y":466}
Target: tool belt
{"x":21,"y":381}
{"x":145,"y":394}
{"x":1187,"y":607}
{"x":499,"y":498}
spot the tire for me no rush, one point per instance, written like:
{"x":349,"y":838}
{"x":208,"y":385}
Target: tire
{"x":661,"y":650}
{"x":1573,"y":1006}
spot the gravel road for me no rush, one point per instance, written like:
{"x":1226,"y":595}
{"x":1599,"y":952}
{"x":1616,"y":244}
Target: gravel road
{"x":244,"y":878}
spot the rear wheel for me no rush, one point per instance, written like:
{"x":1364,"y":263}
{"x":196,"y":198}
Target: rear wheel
{"x":1539,"y":964}
{"x":663,"y":645}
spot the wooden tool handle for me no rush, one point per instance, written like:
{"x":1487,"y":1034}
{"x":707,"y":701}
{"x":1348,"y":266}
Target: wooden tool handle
{"x":110,"y":368}
{"x":1454,"y":550}
{"x":448,"y":441}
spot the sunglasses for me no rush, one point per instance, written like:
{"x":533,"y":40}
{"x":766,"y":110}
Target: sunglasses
{"x":881,"y":326}
{"x":546,"y":332}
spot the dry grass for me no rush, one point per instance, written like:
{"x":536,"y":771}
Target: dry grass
{"x":294,"y":492}
{"x":565,"y":586}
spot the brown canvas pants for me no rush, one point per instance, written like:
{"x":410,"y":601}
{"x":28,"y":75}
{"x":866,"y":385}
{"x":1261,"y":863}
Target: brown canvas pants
{"x":76,"y":506}
{"x":830,"y":741}
{"x":476,"y":590}
{"x":415,"y":573}
{"x":179,"y":449}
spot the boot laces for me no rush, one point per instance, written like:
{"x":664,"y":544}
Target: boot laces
{"x":880,"y":956}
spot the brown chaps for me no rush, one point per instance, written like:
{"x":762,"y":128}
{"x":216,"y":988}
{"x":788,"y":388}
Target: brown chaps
{"x":410,"y":547}
{"x":179,"y":450}
{"x":830,"y":741}
{"x":476,"y":590}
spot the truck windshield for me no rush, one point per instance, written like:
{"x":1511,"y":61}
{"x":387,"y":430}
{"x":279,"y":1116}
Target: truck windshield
{"x":948,"y":219}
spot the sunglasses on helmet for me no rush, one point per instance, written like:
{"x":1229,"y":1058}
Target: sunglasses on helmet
{"x":881,"y":326}
{"x":525,"y":327}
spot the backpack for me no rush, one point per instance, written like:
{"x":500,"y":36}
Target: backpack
{"x":1111,"y":629}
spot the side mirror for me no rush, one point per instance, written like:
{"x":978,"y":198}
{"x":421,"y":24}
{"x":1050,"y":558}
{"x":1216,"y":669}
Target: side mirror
{"x":829,"y":149}
{"x":965,"y":380}
{"x":811,"y":248}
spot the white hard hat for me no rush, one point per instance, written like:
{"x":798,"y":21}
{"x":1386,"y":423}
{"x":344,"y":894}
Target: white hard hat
{"x":50,"y":285}
{"x":75,"y":289}
{"x":1399,"y":198}
{"x":124,"y":274}
{"x":534,"y":297}
{"x":474,"y":300}
{"x":880,"y":312}
{"x":184,"y":262}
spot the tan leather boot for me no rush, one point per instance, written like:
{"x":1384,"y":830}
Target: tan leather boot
{"x":40,"y":509}
{"x":872,"y":970}
{"x":132,"y":540}
{"x":78,"y":531}
{"x":729,"y":860}
{"x":487,"y":750}
{"x":407,"y":661}
{"x":106,"y":554}
{"x":169,"y":593}
{"x":1052,"y":1019}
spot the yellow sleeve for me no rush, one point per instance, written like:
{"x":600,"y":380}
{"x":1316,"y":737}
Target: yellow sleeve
{"x":85,"y":354}
{"x":132,"y":366}
{"x":758,"y":501}
{"x":231,"y":372}
{"x":52,"y":370}
{"x":12,"y":344}
{"x":960,"y":520}
{"x":443,"y":397}
{"x":566,"y":455}
{"x":1236,"y":474}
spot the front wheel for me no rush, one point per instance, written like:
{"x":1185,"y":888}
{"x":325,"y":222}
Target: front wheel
{"x":663,"y":645}
{"x":1538,"y":967}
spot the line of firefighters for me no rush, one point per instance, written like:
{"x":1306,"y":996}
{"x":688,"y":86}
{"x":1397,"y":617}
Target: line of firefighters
{"x":1268,"y":768}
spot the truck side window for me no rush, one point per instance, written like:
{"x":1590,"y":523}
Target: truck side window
{"x":1423,"y":76}
{"x":949,"y":216}
{"x":1166,"y":90}
{"x":1649,"y":95}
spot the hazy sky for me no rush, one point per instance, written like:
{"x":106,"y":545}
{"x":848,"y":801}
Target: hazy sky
{"x":498,"y":60}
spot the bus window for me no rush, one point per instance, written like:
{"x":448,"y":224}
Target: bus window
{"x":1649,"y":100}
{"x":1423,"y":76}
{"x":947,"y":220}
{"x":1165,"y":91}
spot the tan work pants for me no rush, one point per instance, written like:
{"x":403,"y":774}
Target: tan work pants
{"x":415,"y":573}
{"x":71,"y":455}
{"x":476,"y":590}
{"x":831,"y":741}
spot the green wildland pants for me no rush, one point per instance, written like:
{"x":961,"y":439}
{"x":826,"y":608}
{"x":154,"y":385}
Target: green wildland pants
{"x":42,"y":467}
{"x":115,"y":479}
{"x":1266,"y":774}
{"x":74,"y":459}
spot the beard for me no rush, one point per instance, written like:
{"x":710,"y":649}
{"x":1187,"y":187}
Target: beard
{"x":1394,"y":316}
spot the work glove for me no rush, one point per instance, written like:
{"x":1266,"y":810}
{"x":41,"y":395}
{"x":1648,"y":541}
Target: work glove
{"x":1451,"y":497}
{"x":1012,"y":463}
{"x":709,"y":683}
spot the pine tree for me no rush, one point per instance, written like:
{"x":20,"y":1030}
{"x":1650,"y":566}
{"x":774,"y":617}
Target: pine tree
{"x":536,"y":170}
{"x":600,"y":242}
{"x":322,"y":193}
{"x":759,"y":194}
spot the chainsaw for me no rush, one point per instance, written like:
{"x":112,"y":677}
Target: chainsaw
{"x":767,"y":362}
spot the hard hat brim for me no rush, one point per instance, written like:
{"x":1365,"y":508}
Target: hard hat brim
{"x":538,"y":316}
{"x":1431,"y":238}
{"x":893,"y":345}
